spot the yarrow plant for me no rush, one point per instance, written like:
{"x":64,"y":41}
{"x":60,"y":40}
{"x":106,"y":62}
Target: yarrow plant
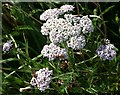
{"x":63,"y":51}
{"x":42,"y":79}
{"x":69,"y":30}
{"x":64,"y":31}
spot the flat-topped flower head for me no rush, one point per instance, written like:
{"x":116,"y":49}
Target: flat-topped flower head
{"x":106,"y":52}
{"x":53,"y":51}
{"x":42,"y":79}
{"x":7,"y":46}
{"x":76,"y":42}
{"x":49,"y":14}
{"x":86,"y":24}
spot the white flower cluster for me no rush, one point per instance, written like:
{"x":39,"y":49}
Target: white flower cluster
{"x":42,"y":79}
{"x":53,"y":51}
{"x":106,"y":51}
{"x":76,"y":42}
{"x":7,"y":46}
{"x":68,"y":29}
{"x":60,"y":29}
{"x":54,"y":13}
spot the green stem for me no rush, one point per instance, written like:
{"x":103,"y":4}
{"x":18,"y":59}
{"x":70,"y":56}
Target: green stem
{"x":87,"y":60}
{"x":63,"y":75}
{"x":105,"y":29}
{"x":78,"y":11}
{"x":35,"y":58}
{"x":15,"y":71}
{"x":18,"y":56}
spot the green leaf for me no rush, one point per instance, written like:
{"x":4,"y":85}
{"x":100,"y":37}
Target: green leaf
{"x":8,"y":60}
{"x":24,"y":27}
{"x":106,"y":10}
{"x":35,"y":58}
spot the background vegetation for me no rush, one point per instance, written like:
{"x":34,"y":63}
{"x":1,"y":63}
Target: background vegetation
{"x":83,"y":73}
